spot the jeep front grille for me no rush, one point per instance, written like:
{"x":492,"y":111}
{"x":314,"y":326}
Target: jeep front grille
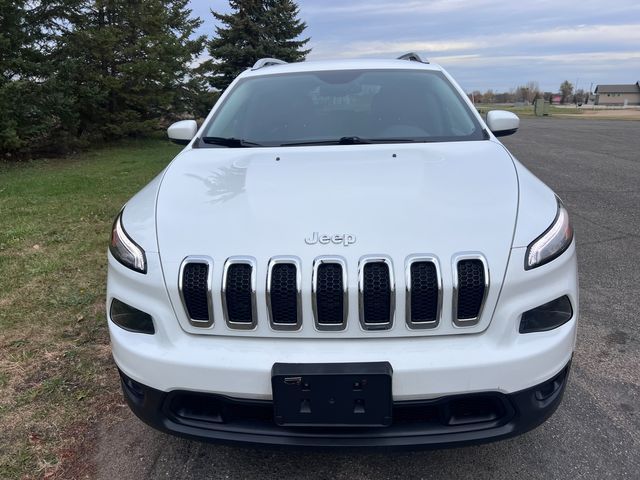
{"x":283,"y":293}
{"x":377,"y":294}
{"x":470,"y":289}
{"x":239,"y":292}
{"x":329,"y":292}
{"x":195,"y":289}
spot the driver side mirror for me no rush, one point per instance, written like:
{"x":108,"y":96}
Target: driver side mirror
{"x":182,"y":132}
{"x":502,"y":123}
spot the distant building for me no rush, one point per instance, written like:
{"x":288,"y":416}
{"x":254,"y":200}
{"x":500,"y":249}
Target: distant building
{"x":618,"y":94}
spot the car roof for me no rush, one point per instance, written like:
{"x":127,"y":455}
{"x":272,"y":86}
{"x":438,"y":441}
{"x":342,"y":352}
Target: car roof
{"x":352,"y":64}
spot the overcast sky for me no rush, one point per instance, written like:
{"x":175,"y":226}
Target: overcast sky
{"x":483,"y":43}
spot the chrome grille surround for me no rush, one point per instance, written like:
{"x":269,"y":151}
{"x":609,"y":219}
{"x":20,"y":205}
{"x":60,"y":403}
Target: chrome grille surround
{"x":297,"y":263}
{"x":450,"y":295}
{"x":468,"y":322}
{"x":327,"y":259}
{"x":392,"y":291}
{"x":242,"y":260}
{"x":416,"y":258}
{"x":209,"y":262}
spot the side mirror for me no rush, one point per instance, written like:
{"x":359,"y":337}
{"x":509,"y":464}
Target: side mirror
{"x":182,"y":132}
{"x":502,"y":123}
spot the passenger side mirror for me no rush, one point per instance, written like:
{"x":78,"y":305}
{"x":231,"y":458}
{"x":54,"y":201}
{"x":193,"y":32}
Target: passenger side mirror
{"x":182,"y":132}
{"x":502,"y":123}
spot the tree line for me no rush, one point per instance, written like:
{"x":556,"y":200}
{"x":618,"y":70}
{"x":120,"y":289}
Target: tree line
{"x":77,"y":72}
{"x":530,"y":92}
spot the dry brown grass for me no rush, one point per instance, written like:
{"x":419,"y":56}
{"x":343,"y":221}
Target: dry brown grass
{"x":612,"y":114}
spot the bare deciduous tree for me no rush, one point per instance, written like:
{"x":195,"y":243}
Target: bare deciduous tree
{"x":488,"y":97}
{"x":533,"y":91}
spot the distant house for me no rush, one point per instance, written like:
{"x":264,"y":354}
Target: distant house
{"x":618,"y":94}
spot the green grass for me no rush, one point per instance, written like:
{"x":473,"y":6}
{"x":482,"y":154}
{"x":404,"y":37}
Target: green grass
{"x":55,"y":365}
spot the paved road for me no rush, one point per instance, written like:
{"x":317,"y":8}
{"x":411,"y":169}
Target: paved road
{"x":595,"y":167}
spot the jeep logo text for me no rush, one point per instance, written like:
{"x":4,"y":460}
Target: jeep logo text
{"x":345,"y":239}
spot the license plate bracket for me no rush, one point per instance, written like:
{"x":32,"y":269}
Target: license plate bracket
{"x":332,"y":394}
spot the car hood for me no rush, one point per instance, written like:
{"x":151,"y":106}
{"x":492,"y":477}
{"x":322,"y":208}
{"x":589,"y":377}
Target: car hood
{"x":396,"y":200}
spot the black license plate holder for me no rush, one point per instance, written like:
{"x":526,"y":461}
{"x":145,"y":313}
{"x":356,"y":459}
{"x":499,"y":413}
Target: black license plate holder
{"x":332,"y":394}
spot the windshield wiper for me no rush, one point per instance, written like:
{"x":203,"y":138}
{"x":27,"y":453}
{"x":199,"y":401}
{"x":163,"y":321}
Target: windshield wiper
{"x":395,"y":140}
{"x":351,"y":141}
{"x":340,"y":141}
{"x":229,"y":142}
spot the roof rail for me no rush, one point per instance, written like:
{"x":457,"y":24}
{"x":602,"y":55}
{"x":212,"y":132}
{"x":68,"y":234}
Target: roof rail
{"x":267,"y":62}
{"x":412,"y":57}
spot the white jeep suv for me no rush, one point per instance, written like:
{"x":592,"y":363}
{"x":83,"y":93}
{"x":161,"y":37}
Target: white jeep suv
{"x":344,"y":255}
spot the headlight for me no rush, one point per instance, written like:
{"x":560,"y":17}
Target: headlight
{"x":552,"y":243}
{"x":125,"y":250}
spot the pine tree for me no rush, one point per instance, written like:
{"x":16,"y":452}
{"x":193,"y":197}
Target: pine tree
{"x":282,"y":20}
{"x":255,"y":29}
{"x":130,"y":64}
{"x":12,"y":40}
{"x":27,"y":34}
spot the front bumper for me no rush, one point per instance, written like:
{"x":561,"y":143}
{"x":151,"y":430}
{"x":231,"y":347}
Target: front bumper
{"x":498,"y":367}
{"x":432,"y":364}
{"x":442,"y":422}
{"x":424,"y":368}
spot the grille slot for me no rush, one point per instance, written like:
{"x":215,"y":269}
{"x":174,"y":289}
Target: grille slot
{"x":471,"y":290}
{"x":195,"y":290}
{"x":283,"y":293}
{"x":424,"y":292}
{"x":329,"y":291}
{"x":239,"y":292}
{"x":376,"y":293}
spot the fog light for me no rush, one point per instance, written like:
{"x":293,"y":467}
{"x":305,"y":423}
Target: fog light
{"x":550,"y":387}
{"x":547,"y":317}
{"x":134,"y":391}
{"x":129,"y":318}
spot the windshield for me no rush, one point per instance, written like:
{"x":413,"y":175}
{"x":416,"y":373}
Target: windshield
{"x":347,"y":106}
